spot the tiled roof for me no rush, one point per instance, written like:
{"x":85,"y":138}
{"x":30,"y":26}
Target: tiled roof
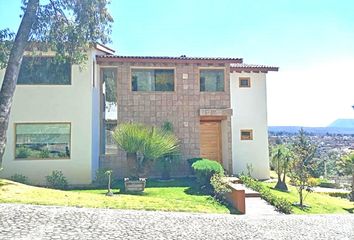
{"x":182,"y":58}
{"x":251,"y":67}
{"x":166,"y":57}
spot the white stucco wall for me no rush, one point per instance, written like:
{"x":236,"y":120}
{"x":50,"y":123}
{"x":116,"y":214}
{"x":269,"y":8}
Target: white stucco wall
{"x":250,"y":112}
{"x":57,"y":103}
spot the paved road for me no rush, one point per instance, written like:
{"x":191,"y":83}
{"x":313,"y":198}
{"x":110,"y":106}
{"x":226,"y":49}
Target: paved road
{"x":39,"y":222}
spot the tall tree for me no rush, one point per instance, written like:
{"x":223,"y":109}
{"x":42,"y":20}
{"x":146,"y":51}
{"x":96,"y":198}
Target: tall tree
{"x":302,"y":164}
{"x":345,"y":166}
{"x":280,"y":160}
{"x":67,"y":27}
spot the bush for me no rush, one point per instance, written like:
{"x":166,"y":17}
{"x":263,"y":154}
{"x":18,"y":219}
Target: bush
{"x":101,"y":179}
{"x":204,"y":169}
{"x":281,"y":204}
{"x":339,"y":194}
{"x":313,"y":182}
{"x":327,"y":184}
{"x":19,"y":178}
{"x":190,"y":163}
{"x":57,"y":180}
{"x":220,"y":187}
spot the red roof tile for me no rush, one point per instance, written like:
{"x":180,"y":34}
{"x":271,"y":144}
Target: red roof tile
{"x":182,"y":58}
{"x":238,"y":67}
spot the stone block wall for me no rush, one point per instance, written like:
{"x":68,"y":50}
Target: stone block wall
{"x":181,"y":107}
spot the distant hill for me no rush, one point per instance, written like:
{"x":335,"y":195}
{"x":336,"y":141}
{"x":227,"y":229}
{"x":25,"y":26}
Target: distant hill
{"x":314,"y":130}
{"x":342,"y":123}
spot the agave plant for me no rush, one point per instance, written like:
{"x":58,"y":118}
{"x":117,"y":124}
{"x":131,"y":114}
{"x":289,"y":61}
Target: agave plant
{"x":144,"y":144}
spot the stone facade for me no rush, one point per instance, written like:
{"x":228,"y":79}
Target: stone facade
{"x":182,"y":107}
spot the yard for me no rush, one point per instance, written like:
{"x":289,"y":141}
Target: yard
{"x":178,"y":195}
{"x":319,"y":203}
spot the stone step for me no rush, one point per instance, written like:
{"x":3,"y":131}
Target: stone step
{"x":252,"y":194}
{"x":248,"y":192}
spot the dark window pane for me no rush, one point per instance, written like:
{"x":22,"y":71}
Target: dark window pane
{"x":44,"y":70}
{"x":211,"y":80}
{"x":245,"y":82}
{"x":152,"y":80}
{"x":39,"y":141}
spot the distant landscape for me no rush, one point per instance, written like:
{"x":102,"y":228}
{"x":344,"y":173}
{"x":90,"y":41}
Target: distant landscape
{"x":340,"y":126}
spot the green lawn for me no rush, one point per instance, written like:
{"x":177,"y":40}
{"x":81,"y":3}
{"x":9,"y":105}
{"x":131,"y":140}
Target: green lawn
{"x":173,"y":196}
{"x":319,"y":203}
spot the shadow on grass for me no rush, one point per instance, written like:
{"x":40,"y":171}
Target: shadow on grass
{"x":350,"y":210}
{"x":279,"y":190}
{"x":3,"y":183}
{"x":194,"y":190}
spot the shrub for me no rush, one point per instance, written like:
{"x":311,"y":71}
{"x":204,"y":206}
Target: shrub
{"x":101,"y":179}
{"x":19,"y":178}
{"x":339,"y":194}
{"x":190,"y":163}
{"x":44,"y":153}
{"x":327,"y":184}
{"x":313,"y":182}
{"x":57,"y":180}
{"x":281,"y":204}
{"x":144,"y":144}
{"x":204,"y":169}
{"x":220,"y":187}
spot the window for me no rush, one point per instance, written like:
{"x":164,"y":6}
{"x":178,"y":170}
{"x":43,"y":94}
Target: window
{"x":161,"y":80}
{"x":110,"y":85}
{"x":212,"y":80}
{"x":111,"y":147}
{"x":44,"y":70}
{"x":42,"y":140}
{"x":244,"y":82}
{"x":246,"y":134}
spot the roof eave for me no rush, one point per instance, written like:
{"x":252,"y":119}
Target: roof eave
{"x":254,"y":69}
{"x":104,"y":48}
{"x":106,"y":59}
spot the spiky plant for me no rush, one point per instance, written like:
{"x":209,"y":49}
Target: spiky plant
{"x":145,"y":143}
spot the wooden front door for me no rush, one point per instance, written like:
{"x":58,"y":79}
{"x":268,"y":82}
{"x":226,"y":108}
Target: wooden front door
{"x":210,"y":140}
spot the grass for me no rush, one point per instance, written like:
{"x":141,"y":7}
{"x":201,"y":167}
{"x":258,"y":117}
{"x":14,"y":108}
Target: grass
{"x":318,"y":203}
{"x":172,"y":196}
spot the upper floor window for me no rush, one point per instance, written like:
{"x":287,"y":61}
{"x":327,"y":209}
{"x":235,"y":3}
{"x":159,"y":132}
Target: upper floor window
{"x":244,"y":82}
{"x":42,"y":140}
{"x":153,"y":80}
{"x":212,"y":80}
{"x":44,"y":71}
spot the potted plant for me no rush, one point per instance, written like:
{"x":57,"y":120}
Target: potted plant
{"x":143,"y":145}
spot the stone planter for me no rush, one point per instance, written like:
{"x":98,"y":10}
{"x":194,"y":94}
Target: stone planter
{"x":134,"y":185}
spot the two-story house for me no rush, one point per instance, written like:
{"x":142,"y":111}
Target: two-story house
{"x":63,"y":115}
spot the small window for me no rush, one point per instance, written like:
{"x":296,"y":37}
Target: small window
{"x":246,"y":134}
{"x":111,"y":147}
{"x":42,"y":140}
{"x":245,"y":82}
{"x":45,"y":71}
{"x":212,"y":80}
{"x":155,"y":80}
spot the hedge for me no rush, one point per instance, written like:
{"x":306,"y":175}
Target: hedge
{"x":281,"y":204}
{"x":204,"y":169}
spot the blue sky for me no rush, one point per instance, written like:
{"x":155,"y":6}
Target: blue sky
{"x":311,"y":41}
